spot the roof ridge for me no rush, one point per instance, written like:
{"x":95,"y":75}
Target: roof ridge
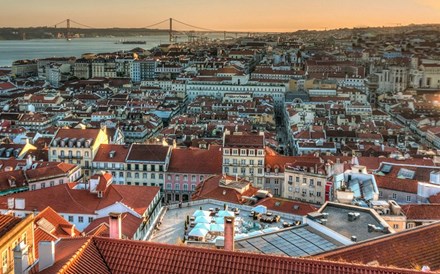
{"x":75,"y":256}
{"x":73,"y":199}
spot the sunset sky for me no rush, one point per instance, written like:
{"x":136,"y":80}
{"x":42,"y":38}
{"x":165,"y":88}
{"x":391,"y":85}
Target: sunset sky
{"x":234,"y":15}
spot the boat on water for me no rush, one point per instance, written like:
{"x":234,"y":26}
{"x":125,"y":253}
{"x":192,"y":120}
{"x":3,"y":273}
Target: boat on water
{"x":128,"y":42}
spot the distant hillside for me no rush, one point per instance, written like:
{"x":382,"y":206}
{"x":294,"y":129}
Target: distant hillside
{"x":45,"y":33}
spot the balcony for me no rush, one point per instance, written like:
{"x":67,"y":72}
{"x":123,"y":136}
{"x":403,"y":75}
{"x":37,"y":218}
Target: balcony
{"x":69,"y":157}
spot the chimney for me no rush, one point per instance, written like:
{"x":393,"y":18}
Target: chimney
{"x":229,"y":233}
{"x":115,"y":225}
{"x":21,"y":262}
{"x":46,"y":252}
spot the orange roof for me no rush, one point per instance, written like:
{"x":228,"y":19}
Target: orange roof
{"x":64,"y":198}
{"x":7,"y":222}
{"x":105,"y":255}
{"x":287,"y":206}
{"x":414,"y":247}
{"x":196,"y":161}
{"x":422,"y":211}
{"x":62,"y":228}
{"x":100,"y":227}
{"x":119,"y":153}
{"x":211,"y":189}
{"x":404,"y":185}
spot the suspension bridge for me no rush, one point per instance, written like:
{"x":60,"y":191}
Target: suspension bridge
{"x":191,"y":31}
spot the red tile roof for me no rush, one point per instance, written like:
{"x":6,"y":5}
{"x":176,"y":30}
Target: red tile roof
{"x":422,"y":211}
{"x":65,"y":199}
{"x":104,"y":255}
{"x":287,"y":206}
{"x":103,"y":153}
{"x":100,"y":227}
{"x":62,"y":228}
{"x":211,"y":189}
{"x":196,"y":161}
{"x":244,"y":141}
{"x":7,"y":222}
{"x":147,"y":153}
{"x":404,"y":185}
{"x":408,"y":249}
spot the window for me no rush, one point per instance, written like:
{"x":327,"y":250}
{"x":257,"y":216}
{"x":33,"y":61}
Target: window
{"x":193,"y":187}
{"x":161,"y":176}
{"x":226,"y":169}
{"x":380,"y":193}
{"x":394,"y":195}
{"x":260,"y":162}
{"x":318,"y":194}
{"x":144,"y":175}
{"x":168,"y":186}
{"x":128,"y":174}
{"x":408,"y":198}
{"x":90,"y":219}
{"x":226,"y":161}
{"x":54,"y":152}
{"x":121,"y":174}
{"x":260,"y":171}
{"x":193,"y":178}
{"x":304,"y":181}
{"x":177,"y":178}
{"x":86,"y":154}
{"x":395,"y":226}
{"x":243,"y":152}
{"x":153,"y":175}
{"x":128,"y":166}
{"x":251,"y":152}
{"x":202,"y":177}
{"x":5,"y":261}
{"x":169,"y":177}
{"x":318,"y":183}
{"x":251,"y":162}
{"x":297,"y":179}
{"x":43,"y":185}
{"x":185,"y":186}
{"x":24,"y":238}
{"x":70,"y":219}
{"x":176,"y":186}
{"x":290,"y":189}
{"x":235,"y":152}
{"x":33,"y":187}
{"x":185,"y":178}
{"x":80,"y":219}
{"x":136,"y":175}
{"x":234,"y":161}
{"x":243,"y":162}
{"x":52,"y":183}
{"x":227,"y":151}
{"x":277,"y":181}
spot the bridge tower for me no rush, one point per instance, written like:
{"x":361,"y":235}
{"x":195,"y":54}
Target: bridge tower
{"x":68,"y":29}
{"x":171,"y":30}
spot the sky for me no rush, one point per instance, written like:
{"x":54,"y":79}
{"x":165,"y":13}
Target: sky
{"x":230,"y":15}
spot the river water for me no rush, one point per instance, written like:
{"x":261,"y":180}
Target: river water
{"x":43,"y":48}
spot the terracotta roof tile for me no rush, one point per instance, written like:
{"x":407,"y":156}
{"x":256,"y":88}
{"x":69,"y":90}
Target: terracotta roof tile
{"x":244,"y":141}
{"x":64,"y":198}
{"x":119,"y":155}
{"x":196,"y":161}
{"x":148,"y":153}
{"x":404,"y":185}
{"x":104,"y":255}
{"x":7,"y":222}
{"x":422,"y":211}
{"x":415,"y":247}
{"x":287,"y":206}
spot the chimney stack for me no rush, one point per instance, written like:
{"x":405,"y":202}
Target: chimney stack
{"x":46,"y":253}
{"x":229,"y":233}
{"x":21,"y":258}
{"x":115,"y":225}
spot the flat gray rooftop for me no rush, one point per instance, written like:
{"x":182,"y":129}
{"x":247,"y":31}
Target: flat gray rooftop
{"x":337,"y":220}
{"x":172,"y":227}
{"x":295,"y":242}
